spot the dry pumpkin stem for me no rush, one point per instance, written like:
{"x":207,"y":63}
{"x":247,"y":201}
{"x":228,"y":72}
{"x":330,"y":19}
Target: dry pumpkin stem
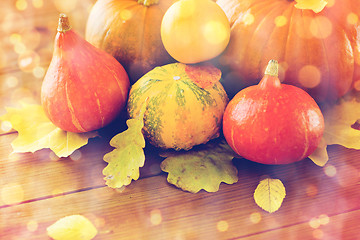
{"x":64,"y":24}
{"x":272,"y":68}
{"x":148,"y":3}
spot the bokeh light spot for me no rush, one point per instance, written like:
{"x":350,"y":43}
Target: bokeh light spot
{"x":357,"y":85}
{"x":311,"y":190}
{"x":53,"y":156}
{"x":38,"y":3}
{"x":11,"y":81}
{"x":155,"y":217}
{"x":76,"y":155}
{"x":255,"y":217}
{"x":38,"y":72}
{"x":324,"y":219}
{"x":352,"y":18}
{"x":19,"y":48}
{"x":347,"y":176}
{"x":32,"y":225}
{"x":330,"y":3}
{"x":248,"y":19}
{"x":280,"y":21}
{"x":21,"y":5}
{"x":314,"y":222}
{"x":12,"y":193}
{"x":309,"y":76}
{"x":65,"y":5}
{"x":222,"y":226}
{"x":330,"y":170}
{"x":57,"y":192}
{"x":15,"y":38}
{"x":28,"y":61}
{"x":125,"y":14}
{"x":321,"y":27}
{"x":5,"y":126}
{"x":215,"y":32}
{"x":318,"y":234}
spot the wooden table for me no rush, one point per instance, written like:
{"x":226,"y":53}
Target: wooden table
{"x":321,"y":203}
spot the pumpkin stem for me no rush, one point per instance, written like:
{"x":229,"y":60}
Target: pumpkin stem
{"x":272,"y":68}
{"x":148,"y":3}
{"x":64,"y":24}
{"x":271,"y":79}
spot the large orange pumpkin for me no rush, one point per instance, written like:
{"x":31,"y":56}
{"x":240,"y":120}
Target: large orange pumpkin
{"x":318,"y":51}
{"x":130,"y":31}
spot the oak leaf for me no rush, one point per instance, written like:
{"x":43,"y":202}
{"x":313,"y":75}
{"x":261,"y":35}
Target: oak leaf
{"x":269,"y":194}
{"x":128,"y":156}
{"x":314,"y":5}
{"x":73,"y":227}
{"x":203,"y":167}
{"x":36,"y":131}
{"x":340,"y":128}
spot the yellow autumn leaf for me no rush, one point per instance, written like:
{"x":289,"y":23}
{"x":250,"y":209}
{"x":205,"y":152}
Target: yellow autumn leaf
{"x":315,"y":5}
{"x":74,"y":227}
{"x":320,"y":156}
{"x":128,"y":156}
{"x":339,"y":119}
{"x":269,"y":194}
{"x":36,"y":131}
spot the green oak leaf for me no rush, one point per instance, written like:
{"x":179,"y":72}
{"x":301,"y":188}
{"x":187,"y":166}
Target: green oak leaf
{"x":204,"y":167}
{"x":128,"y":156}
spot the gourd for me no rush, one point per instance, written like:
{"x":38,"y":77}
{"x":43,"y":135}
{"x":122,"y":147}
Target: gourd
{"x":194,"y":31}
{"x":84,"y":88}
{"x":273,"y":123}
{"x":130,"y":31}
{"x":185,"y":105}
{"x":315,"y":42}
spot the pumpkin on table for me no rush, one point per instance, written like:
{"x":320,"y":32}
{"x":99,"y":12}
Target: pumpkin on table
{"x":185,"y":104}
{"x":315,"y":42}
{"x":130,"y":31}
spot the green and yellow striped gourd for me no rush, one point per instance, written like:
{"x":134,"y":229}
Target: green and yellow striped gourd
{"x":182,"y":110}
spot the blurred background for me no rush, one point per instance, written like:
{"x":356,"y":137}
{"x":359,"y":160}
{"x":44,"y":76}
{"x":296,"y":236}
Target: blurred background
{"x":27,"y":32}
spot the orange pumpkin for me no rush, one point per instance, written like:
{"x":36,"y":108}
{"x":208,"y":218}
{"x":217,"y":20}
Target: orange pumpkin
{"x":130,"y":31}
{"x":317,"y":47}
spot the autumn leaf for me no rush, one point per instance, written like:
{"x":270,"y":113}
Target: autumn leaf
{"x":314,"y":5}
{"x":339,"y":120}
{"x":269,"y":194}
{"x":128,"y":155}
{"x":74,"y":227}
{"x":36,"y":131}
{"x":320,"y":156}
{"x":203,"y":167}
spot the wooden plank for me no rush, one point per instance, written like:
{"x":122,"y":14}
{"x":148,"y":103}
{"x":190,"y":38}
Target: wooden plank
{"x":150,"y":209}
{"x":42,"y":175}
{"x":340,"y":226}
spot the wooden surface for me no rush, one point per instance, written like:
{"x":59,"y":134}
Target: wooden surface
{"x":38,"y":189}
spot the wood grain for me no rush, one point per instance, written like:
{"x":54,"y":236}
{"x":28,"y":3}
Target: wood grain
{"x":321,"y":203}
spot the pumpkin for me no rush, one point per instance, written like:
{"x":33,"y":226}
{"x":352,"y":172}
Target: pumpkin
{"x":315,"y":42}
{"x":194,"y":31}
{"x":273,"y":123}
{"x":130,"y":31}
{"x":185,"y":105}
{"x":84,"y":88}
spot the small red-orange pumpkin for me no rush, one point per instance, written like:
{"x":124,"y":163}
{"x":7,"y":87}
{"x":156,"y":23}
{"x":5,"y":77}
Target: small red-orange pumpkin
{"x":273,"y":123}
